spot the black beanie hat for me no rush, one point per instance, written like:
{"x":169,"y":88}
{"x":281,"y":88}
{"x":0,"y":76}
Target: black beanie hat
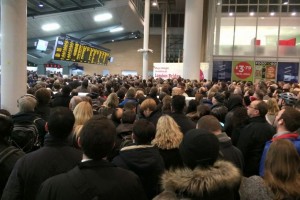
{"x":199,"y":148}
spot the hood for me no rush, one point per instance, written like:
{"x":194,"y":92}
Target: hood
{"x":141,"y":157}
{"x":199,"y":181}
{"x":21,"y":116}
{"x":234,"y":101}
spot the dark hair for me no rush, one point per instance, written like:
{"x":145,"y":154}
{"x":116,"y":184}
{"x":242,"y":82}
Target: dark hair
{"x":66,"y":90}
{"x":262,"y":107}
{"x":192,"y":107}
{"x":144,"y":131}
{"x":61,"y":122}
{"x":97,"y":137}
{"x":6,"y":126}
{"x":43,"y":96}
{"x":220,"y":113}
{"x":291,"y":118}
{"x":128,"y":116}
{"x":178,"y":103}
{"x":259,"y":94}
{"x":130,"y":105}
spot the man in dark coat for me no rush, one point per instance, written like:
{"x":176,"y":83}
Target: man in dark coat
{"x":54,"y":158}
{"x":143,"y":158}
{"x":185,"y":123}
{"x":254,"y":136}
{"x":94,"y":177}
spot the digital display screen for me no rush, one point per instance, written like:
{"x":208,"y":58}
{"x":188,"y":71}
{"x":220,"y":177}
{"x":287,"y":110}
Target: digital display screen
{"x":68,"y":48}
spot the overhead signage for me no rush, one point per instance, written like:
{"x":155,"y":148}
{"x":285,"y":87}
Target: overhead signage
{"x":68,"y":48}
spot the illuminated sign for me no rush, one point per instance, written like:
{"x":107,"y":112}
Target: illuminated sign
{"x":68,"y":48}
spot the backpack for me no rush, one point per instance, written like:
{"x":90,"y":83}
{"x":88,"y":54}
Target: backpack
{"x":25,"y":135}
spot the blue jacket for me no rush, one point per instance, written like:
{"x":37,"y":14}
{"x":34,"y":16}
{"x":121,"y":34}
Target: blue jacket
{"x":293,"y":137}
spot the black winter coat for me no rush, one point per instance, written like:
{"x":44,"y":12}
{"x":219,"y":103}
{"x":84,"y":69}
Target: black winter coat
{"x":252,"y":142}
{"x":93,"y":179}
{"x":34,"y":168}
{"x":146,"y":162}
{"x":183,"y":122}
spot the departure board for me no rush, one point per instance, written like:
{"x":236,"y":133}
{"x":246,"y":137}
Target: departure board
{"x":68,"y":48}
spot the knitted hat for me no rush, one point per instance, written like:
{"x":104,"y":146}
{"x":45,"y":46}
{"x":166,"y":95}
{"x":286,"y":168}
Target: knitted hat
{"x":199,"y":148}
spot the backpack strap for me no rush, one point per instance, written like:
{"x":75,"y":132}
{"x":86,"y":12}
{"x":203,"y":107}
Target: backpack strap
{"x":86,"y":189}
{"x":7,"y":152}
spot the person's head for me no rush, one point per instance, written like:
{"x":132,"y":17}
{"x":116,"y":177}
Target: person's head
{"x":112,"y":100}
{"x":282,"y":166}
{"x":168,"y":134}
{"x":199,"y":148}
{"x":27,"y":103}
{"x":287,"y":119}
{"x":209,"y":123}
{"x":82,"y":112}
{"x":130,"y":105}
{"x":178,"y":103}
{"x":166,"y":103}
{"x":6,"y":126}
{"x":60,"y":123}
{"x":257,"y":108}
{"x":66,"y":90}
{"x":130,"y":93}
{"x":143,"y":132}
{"x":128,"y":116}
{"x":272,"y":106}
{"x":220,"y":113}
{"x":43,"y":96}
{"x":218,"y":98}
{"x":287,"y":99}
{"x":97,"y":137}
{"x":85,"y":83}
{"x":148,"y":106}
{"x":259,"y":94}
{"x":75,"y":100}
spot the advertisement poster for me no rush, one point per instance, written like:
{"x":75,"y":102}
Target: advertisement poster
{"x":222,"y":70}
{"x":242,"y":70}
{"x":265,"y":71}
{"x":204,"y":68}
{"x":167,"y":70}
{"x":288,"y":72}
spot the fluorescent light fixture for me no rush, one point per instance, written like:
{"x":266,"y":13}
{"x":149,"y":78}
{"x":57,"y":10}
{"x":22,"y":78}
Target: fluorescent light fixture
{"x":252,"y":13}
{"x":272,"y":13}
{"x":285,"y":2}
{"x":293,"y":13}
{"x":218,"y":3}
{"x":102,"y":17}
{"x":154,"y":3}
{"x":40,"y":5}
{"x":51,"y":27}
{"x":116,"y":29}
{"x":230,"y":14}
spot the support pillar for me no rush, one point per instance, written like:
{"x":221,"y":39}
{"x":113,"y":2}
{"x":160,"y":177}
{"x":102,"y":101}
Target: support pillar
{"x":146,"y":39}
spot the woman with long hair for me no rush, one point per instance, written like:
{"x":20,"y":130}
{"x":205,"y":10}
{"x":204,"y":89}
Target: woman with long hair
{"x":109,"y":105}
{"x":273,"y":109}
{"x":82,"y":112}
{"x":168,"y":138}
{"x":282,"y":175}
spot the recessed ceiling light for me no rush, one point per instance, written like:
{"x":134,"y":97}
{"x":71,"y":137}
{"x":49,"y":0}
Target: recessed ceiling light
{"x":154,"y":3}
{"x":218,"y":3}
{"x":293,"y":13}
{"x":102,"y":17}
{"x":116,"y":29}
{"x":252,"y":14}
{"x":51,"y":27}
{"x":230,"y":14}
{"x":285,"y":2}
{"x":272,"y":13}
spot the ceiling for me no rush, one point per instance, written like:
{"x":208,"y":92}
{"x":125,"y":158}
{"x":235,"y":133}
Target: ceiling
{"x":75,"y":18}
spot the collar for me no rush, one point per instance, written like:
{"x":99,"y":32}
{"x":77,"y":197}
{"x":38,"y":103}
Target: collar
{"x":280,"y":133}
{"x":53,"y":141}
{"x":286,"y":136}
{"x":223,"y":137}
{"x":136,"y":147}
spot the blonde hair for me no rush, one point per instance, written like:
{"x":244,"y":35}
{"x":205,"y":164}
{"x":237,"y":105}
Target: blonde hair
{"x":82,"y":112}
{"x":273,"y":108}
{"x":168,"y":134}
{"x":112,"y":101}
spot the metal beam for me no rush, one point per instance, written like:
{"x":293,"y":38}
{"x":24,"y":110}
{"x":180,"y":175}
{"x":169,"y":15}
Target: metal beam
{"x":77,"y":4}
{"x":51,"y":5}
{"x":100,"y":2}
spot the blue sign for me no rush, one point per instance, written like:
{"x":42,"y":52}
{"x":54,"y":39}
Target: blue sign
{"x":222,"y":70}
{"x":288,"y":72}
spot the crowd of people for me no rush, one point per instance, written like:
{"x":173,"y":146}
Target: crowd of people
{"x":124,"y":137}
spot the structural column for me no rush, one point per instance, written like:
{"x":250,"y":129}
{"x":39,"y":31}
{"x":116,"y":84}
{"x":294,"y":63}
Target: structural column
{"x":192,"y":38}
{"x":164,"y":34}
{"x":13,"y":53}
{"x":146,"y":39}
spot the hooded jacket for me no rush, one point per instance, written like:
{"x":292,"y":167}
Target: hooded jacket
{"x":220,"y":181}
{"x":146,"y":162}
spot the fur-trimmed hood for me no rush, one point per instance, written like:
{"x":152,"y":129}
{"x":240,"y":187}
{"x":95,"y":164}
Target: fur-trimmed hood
{"x":222,"y":175}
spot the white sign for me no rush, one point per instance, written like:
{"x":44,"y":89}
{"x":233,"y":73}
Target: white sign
{"x":167,"y":70}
